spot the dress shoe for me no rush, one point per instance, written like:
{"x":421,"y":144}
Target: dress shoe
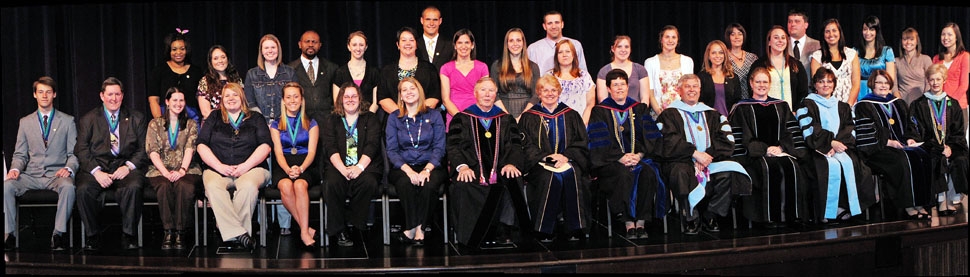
{"x":129,"y":242}
{"x":285,"y":232}
{"x":57,"y":243}
{"x":10,"y":243}
{"x":403,"y":238}
{"x":692,"y":228}
{"x":711,"y":225}
{"x":504,"y":234}
{"x":642,"y":233}
{"x":167,"y":240}
{"x":631,"y":233}
{"x":177,"y":242}
{"x":246,"y":241}
{"x":343,"y":239}
{"x":93,"y":243}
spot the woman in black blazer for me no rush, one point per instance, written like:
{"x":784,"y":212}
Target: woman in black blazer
{"x":353,"y":144}
{"x":720,"y":88}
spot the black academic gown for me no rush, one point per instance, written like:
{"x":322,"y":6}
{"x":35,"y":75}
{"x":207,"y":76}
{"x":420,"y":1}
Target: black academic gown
{"x":904,"y":169}
{"x":678,"y":163}
{"x":475,"y":204}
{"x":779,"y":191}
{"x":926,"y":131}
{"x":817,"y":164}
{"x":633,"y":192}
{"x":560,"y":131}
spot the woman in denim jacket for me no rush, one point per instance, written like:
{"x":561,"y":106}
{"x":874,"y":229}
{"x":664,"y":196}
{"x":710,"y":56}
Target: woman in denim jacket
{"x":264,"y":83}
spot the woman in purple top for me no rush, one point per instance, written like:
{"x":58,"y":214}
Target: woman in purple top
{"x":638,"y":74}
{"x":458,"y":76}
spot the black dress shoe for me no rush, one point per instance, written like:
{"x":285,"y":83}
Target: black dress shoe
{"x":93,"y":243}
{"x":504,"y":234}
{"x":10,"y":243}
{"x":177,"y":242}
{"x":692,"y":228}
{"x":57,"y":243}
{"x":631,"y":233}
{"x":712,"y":226}
{"x":343,"y":239}
{"x":167,"y":240}
{"x":403,"y":238}
{"x":246,"y":241}
{"x":642,"y":233}
{"x":129,"y":242}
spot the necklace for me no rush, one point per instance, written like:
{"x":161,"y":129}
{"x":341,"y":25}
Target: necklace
{"x":736,"y":58}
{"x":408,"y":127}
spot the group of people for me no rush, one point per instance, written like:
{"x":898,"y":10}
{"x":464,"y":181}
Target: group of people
{"x":527,"y":143}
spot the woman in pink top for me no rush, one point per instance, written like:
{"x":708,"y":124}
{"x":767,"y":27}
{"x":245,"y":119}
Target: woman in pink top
{"x":458,"y":76}
{"x":957,"y":61}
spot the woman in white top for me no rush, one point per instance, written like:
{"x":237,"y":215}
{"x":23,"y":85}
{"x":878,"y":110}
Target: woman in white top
{"x":640,"y":83}
{"x":842,"y":60}
{"x":666,"y":68}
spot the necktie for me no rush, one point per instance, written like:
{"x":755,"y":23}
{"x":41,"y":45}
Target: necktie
{"x":794,"y":50}
{"x":431,"y":50}
{"x":309,"y":73}
{"x":46,"y":130}
{"x":114,"y":136}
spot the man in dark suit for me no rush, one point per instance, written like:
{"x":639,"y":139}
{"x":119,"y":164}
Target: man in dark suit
{"x":801,"y":45}
{"x":317,"y":91}
{"x":43,"y":159}
{"x":431,"y":39}
{"x":111,"y":150}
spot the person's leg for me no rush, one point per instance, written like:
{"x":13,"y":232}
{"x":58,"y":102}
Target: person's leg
{"x":88,"y":206}
{"x":227,"y":221}
{"x":288,"y":197}
{"x":247,"y":190}
{"x":13,"y":189}
{"x":130,"y":196}
{"x":184,"y":199}
{"x":301,"y":211}
{"x":362,"y":191}
{"x":335,"y":193}
{"x":165,"y":192}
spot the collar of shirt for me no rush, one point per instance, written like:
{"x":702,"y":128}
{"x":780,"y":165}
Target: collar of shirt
{"x":428,"y":40}
{"x":305,"y":61}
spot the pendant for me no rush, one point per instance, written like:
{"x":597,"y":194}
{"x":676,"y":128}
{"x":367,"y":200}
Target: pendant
{"x":892,"y":121}
{"x":236,"y":132}
{"x":293,"y":151}
{"x":939,"y":127}
{"x":488,"y":134}
{"x":699,"y":128}
{"x":621,"y":128}
{"x":493,"y":178}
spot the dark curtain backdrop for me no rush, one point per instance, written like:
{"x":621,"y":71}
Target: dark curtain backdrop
{"x":80,"y":45}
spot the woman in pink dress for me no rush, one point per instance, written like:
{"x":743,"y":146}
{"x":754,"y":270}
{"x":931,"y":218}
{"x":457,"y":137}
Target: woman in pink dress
{"x":458,"y":76}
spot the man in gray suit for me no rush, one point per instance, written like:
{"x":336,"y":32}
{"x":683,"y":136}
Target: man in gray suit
{"x":801,"y":46}
{"x":43,"y":159}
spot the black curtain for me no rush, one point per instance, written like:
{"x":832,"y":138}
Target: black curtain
{"x":81,"y":45}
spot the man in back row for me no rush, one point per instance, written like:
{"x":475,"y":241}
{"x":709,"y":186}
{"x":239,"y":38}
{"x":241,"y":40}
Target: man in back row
{"x":543,"y":51}
{"x":43,"y":159}
{"x":441,"y":47}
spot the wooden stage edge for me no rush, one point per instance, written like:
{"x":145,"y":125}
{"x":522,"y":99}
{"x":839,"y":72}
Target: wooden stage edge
{"x":887,"y":248}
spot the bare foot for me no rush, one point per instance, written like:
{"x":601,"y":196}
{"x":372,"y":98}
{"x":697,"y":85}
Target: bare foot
{"x":308,"y":236}
{"x":419,"y":233}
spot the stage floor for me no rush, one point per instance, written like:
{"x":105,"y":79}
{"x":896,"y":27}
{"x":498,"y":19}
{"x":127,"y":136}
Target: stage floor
{"x":369,"y":255}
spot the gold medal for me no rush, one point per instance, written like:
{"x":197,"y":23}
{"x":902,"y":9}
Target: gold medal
{"x":892,"y":121}
{"x":236,"y":132}
{"x":621,"y":128}
{"x":939,"y":127}
{"x":699,"y":128}
{"x":293,"y":151}
{"x":488,"y":134}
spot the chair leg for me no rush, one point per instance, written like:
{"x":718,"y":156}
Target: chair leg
{"x":262,"y":221}
{"x":16,"y":230}
{"x":734,"y":218}
{"x":385,"y":218}
{"x":205,"y":222}
{"x":321,"y":231}
{"x":195,"y":230}
{"x":609,"y":220}
{"x":444,"y":205}
{"x":140,"y":234}
{"x":326,"y":236}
